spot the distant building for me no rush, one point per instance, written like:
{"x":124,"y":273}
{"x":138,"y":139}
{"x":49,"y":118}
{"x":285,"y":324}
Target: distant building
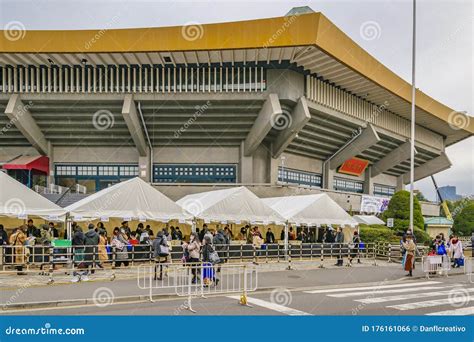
{"x":448,"y":192}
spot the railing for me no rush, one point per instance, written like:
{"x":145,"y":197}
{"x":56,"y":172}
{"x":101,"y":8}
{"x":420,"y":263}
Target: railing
{"x":51,"y":189}
{"x":81,"y":189}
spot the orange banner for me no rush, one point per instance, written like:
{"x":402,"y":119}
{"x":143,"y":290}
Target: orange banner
{"x":354,"y":166}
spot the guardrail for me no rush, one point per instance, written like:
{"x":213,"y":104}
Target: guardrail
{"x":199,"y":279}
{"x":433,"y":264}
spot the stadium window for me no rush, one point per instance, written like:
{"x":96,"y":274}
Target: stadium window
{"x":383,"y":190}
{"x":198,"y":173}
{"x":343,"y":184}
{"x":299,"y":177}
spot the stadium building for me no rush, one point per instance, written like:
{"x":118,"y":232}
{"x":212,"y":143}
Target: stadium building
{"x":284,"y":105}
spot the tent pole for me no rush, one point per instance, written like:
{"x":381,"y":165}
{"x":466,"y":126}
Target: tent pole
{"x":193,"y":225}
{"x":286,"y":241}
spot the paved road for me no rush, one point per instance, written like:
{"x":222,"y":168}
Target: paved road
{"x":440,"y":296}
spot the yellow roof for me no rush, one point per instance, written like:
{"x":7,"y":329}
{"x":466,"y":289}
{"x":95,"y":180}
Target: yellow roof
{"x":312,"y":29}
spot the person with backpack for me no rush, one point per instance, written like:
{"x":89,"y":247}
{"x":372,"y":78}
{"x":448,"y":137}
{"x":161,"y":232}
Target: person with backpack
{"x":354,"y":246}
{"x":160,"y":252}
{"x":209,"y":258}
{"x":457,"y":252}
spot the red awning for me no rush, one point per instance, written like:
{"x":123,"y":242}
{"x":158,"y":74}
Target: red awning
{"x":38,"y":163}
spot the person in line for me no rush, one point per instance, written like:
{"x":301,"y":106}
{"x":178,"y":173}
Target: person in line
{"x":221,"y":245}
{"x":457,"y":252}
{"x":228,"y":234}
{"x":32,"y":231}
{"x":209,"y":234}
{"x":355,"y":248}
{"x":119,"y":242}
{"x":125,"y":229}
{"x":403,"y":251}
{"x":91,"y":241}
{"x":270,"y":237}
{"x":291,"y":234}
{"x":178,"y":234}
{"x":45,"y":240}
{"x":102,"y":248}
{"x":257,"y":242}
{"x":4,"y":242}
{"x":78,"y":245}
{"x":330,"y":238}
{"x":208,"y":272}
{"x":133,"y":242}
{"x":160,"y":253}
{"x":54,"y":230}
{"x":410,"y":248}
{"x":202,"y":232}
{"x":18,"y":240}
{"x":193,"y":250}
{"x":339,"y":241}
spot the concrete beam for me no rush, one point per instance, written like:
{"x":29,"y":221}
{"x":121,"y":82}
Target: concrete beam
{"x":366,"y":139}
{"x":299,"y":117}
{"x":429,"y":168}
{"x":266,"y":119}
{"x":393,"y":158}
{"x":130,"y":115}
{"x":20,"y":115}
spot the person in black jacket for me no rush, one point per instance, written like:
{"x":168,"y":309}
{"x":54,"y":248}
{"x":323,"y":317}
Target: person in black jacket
{"x":270,"y":237}
{"x":209,"y":273}
{"x":91,"y":241}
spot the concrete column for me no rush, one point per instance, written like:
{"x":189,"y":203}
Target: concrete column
{"x":299,"y":117}
{"x":328,"y":177}
{"x":400,"y":186}
{"x":145,"y":167}
{"x":20,"y":115}
{"x":261,"y":165}
{"x":245,"y":167}
{"x":368,"y":181}
{"x":131,"y":117}
{"x":266,"y":118}
{"x":366,"y":139}
{"x":50,"y":178}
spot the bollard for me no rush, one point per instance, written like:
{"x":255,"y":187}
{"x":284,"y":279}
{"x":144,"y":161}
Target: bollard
{"x":322,"y":256}
{"x":389,"y":253}
{"x":289,"y":257}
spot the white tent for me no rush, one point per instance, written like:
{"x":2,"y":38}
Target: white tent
{"x":368,"y":219}
{"x":237,"y":204}
{"x":19,"y":201}
{"x":133,"y":199}
{"x":310,"y":210}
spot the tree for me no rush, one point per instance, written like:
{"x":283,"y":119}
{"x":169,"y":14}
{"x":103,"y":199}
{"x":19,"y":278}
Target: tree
{"x":464,"y":221}
{"x":399,"y":210}
{"x":421,"y":197}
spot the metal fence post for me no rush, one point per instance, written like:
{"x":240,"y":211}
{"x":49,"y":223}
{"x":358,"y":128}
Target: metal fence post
{"x":322,"y":255}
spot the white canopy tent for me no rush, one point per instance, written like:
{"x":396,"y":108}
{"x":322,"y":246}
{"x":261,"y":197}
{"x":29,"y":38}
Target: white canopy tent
{"x":237,"y":204}
{"x":368,"y":219}
{"x":310,"y":210}
{"x":19,"y":201}
{"x":133,"y":199}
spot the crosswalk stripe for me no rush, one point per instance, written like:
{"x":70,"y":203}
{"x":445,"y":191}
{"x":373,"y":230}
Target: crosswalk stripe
{"x":431,"y":303}
{"x":455,"y":312}
{"x":374,"y":287}
{"x":406,"y":296}
{"x":379,"y":291}
{"x":273,"y":306}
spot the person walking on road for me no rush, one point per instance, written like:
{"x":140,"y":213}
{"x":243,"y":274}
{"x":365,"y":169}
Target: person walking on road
{"x":410,"y":248}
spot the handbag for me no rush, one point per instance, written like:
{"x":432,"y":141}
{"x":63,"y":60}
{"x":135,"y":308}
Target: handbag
{"x":361,"y":245}
{"x":460,"y":262}
{"x":214,"y":257}
{"x":441,"y":250}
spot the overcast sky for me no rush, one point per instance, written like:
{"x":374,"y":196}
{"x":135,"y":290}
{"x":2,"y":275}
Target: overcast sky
{"x":445,"y":42}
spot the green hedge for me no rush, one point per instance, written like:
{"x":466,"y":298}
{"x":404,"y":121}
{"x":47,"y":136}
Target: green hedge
{"x":375,"y":232}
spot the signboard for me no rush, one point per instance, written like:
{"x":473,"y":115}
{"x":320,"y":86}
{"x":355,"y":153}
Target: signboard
{"x":373,"y":204}
{"x":390,"y":222}
{"x":354,"y":166}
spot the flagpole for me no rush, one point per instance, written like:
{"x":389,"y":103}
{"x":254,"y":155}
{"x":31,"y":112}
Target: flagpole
{"x":412,"y":135}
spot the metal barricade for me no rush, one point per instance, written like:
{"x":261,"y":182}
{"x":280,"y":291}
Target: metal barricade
{"x":468,"y":265}
{"x":199,"y":280}
{"x":433,"y":264}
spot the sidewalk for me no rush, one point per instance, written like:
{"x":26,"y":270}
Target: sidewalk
{"x":28,"y":292}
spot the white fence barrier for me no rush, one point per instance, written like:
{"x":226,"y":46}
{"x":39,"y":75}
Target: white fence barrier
{"x":199,"y":280}
{"x":434,"y":264}
{"x":468,"y":263}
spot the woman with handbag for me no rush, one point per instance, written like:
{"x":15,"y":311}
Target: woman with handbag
{"x":18,"y":240}
{"x":209,"y":259}
{"x":193,"y":249}
{"x":410,"y":249}
{"x":457,"y":252}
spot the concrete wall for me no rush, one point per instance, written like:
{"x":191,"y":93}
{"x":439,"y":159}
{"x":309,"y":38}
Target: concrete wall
{"x":196,"y":155}
{"x":95,"y":155}
{"x":293,"y":161}
{"x":8,"y":153}
{"x":288,"y":84}
{"x":385,"y":180}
